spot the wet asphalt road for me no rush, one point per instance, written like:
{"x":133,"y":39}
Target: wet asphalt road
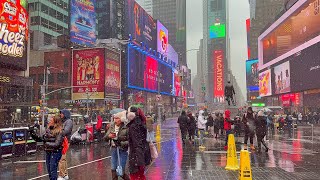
{"x":291,"y":157}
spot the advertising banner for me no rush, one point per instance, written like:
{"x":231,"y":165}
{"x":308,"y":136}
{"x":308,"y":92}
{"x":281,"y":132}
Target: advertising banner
{"x":218,"y":73}
{"x":141,"y":25}
{"x":146,"y":73}
{"x":177,"y":84}
{"x":13,"y":34}
{"x":162,"y":38}
{"x":265,"y":83}
{"x":252,"y":74}
{"x":83,"y":22}
{"x":112,"y":75}
{"x":282,"y":78}
{"x":88,"y":74}
{"x":305,"y":69}
{"x":217,"y":31}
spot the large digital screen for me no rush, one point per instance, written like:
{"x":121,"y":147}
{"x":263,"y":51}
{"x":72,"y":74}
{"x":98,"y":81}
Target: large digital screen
{"x":265,"y":83}
{"x":282,"y":78}
{"x":177,"y":83}
{"x":298,"y":28}
{"x":217,"y":31}
{"x":112,"y":75}
{"x":218,"y":75}
{"x":141,"y":25}
{"x":162,"y":38}
{"x":252,"y":74}
{"x":13,"y":34}
{"x":146,"y":73}
{"x":88,"y":74}
{"x":305,"y":69}
{"x":83,"y":22}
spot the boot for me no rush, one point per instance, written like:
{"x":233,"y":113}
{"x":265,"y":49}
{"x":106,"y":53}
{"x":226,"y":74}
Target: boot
{"x":252,"y":147}
{"x":245,"y":147}
{"x":125,"y":177}
{"x":114,"y":175}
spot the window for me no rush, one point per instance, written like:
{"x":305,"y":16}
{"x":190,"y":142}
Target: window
{"x":64,"y":94}
{"x":47,"y":39}
{"x":65,"y":63}
{"x":63,"y":78}
{"x":51,"y":79}
{"x":40,"y":78}
{"x":33,"y":77}
{"x":50,"y":96}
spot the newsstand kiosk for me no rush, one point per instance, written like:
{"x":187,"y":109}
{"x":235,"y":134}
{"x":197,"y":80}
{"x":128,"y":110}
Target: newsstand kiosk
{"x":6,"y":142}
{"x":20,"y":141}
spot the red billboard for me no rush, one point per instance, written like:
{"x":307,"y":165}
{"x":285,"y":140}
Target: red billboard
{"x":13,"y":34}
{"x":218,"y":73}
{"x":113,"y":75}
{"x":88,"y":74}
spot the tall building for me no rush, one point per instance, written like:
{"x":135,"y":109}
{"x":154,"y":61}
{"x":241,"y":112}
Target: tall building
{"x":173,"y":15}
{"x":104,"y":11}
{"x":48,"y":20}
{"x":215,"y":51}
{"x":262,"y":13}
{"x":147,"y":5}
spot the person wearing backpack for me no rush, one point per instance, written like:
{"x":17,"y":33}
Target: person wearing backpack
{"x":249,"y":127}
{"x":191,"y":124}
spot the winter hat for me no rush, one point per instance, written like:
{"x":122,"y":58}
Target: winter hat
{"x":131,"y":116}
{"x":121,"y":115}
{"x":260,"y":113}
{"x":227,"y":113}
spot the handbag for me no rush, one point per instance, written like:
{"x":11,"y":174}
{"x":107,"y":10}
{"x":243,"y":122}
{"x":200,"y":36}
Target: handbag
{"x":119,"y":169}
{"x":153,"y":149}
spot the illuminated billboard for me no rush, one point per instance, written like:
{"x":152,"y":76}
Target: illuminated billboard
{"x":295,"y":30}
{"x":147,"y":73}
{"x":112,"y":75}
{"x":88,"y":74}
{"x":141,"y":26}
{"x":248,"y":22}
{"x":13,"y":34}
{"x":265,"y":83}
{"x":83,"y":22}
{"x":218,"y":75}
{"x":217,"y":31}
{"x":282,"y":78}
{"x":252,"y":75}
{"x":162,"y":38}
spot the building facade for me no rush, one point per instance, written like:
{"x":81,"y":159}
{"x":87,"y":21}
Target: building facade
{"x":147,"y":5}
{"x":104,"y":13}
{"x":48,"y":20}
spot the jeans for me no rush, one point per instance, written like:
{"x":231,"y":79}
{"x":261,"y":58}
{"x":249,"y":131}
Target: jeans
{"x":150,"y":136}
{"x":52,"y":161}
{"x":202,"y":131}
{"x":114,"y":158}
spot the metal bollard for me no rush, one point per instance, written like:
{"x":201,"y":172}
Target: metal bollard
{"x":312,"y":133}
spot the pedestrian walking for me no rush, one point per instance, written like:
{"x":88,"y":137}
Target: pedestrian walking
{"x":191,"y":125}
{"x":53,"y":144}
{"x":227,"y":127}
{"x":249,"y":127}
{"x":221,"y":124}
{"x":139,"y":151}
{"x":183,"y":122}
{"x":300,"y":118}
{"x":150,"y":129}
{"x":261,"y":130}
{"x":118,"y":137}
{"x":65,"y":115}
{"x":201,"y":127}
{"x":209,"y":124}
{"x":216,"y":124}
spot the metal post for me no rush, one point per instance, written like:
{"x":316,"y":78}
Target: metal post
{"x":43,"y":98}
{"x":312,"y":132}
{"x":159,"y":113}
{"x":87,"y":91}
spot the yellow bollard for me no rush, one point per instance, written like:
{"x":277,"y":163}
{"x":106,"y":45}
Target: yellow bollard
{"x":232,"y":160}
{"x":245,"y":172}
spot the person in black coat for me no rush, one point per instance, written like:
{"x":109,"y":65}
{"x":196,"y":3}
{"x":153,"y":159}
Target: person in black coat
{"x":191,"y":124}
{"x":139,"y":151}
{"x":216,"y":124}
{"x":183,"y":124}
{"x":261,"y":130}
{"x":52,"y":139}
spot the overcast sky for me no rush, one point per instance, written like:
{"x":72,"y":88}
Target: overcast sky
{"x":239,"y":12}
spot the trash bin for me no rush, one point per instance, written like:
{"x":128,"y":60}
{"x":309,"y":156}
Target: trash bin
{"x":6,"y":142}
{"x":19,"y":141}
{"x":31,"y":146}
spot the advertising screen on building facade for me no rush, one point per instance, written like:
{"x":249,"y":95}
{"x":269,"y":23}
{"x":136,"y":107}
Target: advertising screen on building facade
{"x":88,"y":74}
{"x":13,"y":34}
{"x":282,"y":78}
{"x":265,"y":83}
{"x":83,"y":22}
{"x":295,"y":30}
{"x":218,"y":75}
{"x":146,"y":73}
{"x":252,"y":74}
{"x":141,"y":25}
{"x":112,"y":75}
{"x":177,"y":83}
{"x":217,"y":31}
{"x":305,"y":69}
{"x":162,"y":38}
